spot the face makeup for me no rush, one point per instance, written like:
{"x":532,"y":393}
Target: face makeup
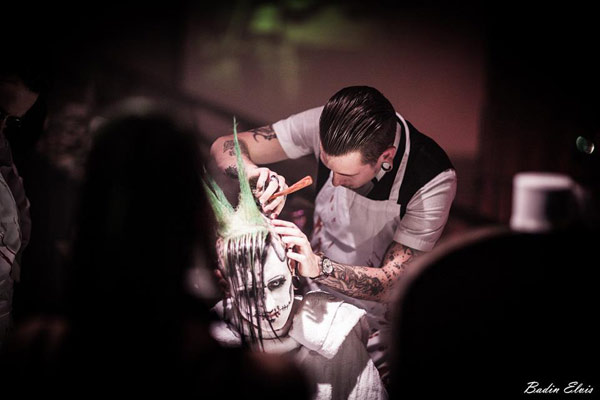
{"x":270,"y":306}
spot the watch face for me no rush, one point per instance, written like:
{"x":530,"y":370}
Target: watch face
{"x":327,"y":267}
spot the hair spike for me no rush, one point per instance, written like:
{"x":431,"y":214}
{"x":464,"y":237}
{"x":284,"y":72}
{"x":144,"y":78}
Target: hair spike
{"x":221,"y":207}
{"x":246,"y":217}
{"x":247,"y":207}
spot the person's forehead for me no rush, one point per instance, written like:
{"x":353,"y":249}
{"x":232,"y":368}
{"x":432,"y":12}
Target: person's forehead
{"x":15,"y":98}
{"x":275,"y":264}
{"x":276,"y":242}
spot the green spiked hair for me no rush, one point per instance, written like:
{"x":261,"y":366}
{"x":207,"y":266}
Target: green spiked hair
{"x":246,"y":216}
{"x":245,"y":239}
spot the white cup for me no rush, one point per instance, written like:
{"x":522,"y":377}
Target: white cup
{"x":542,"y":202}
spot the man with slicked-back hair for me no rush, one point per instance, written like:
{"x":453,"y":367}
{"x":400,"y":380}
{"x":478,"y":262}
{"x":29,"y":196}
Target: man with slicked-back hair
{"x":384,"y":192}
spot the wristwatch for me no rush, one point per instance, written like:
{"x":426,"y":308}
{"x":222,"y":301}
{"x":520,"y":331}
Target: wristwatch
{"x":325,"y":265}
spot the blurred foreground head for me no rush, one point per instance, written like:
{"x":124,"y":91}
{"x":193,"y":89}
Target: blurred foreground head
{"x":133,"y":325}
{"x":141,"y":209}
{"x":503,"y":308}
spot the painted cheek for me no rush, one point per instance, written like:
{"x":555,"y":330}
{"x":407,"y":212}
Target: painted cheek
{"x":270,"y":301}
{"x":246,"y":311}
{"x":277,"y":298}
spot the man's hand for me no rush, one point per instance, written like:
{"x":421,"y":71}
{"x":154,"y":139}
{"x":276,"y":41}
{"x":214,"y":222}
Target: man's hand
{"x":268,"y":183}
{"x":298,"y":248}
{"x":258,"y":146}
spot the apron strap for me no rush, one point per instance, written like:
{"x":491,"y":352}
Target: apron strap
{"x":322,"y":175}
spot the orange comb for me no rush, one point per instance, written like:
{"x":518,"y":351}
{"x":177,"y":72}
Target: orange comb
{"x":301,"y":184}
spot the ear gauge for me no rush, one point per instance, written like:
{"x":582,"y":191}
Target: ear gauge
{"x":386,"y":166}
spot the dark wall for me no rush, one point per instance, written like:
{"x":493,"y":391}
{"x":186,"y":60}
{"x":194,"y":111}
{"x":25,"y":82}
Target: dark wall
{"x":541,"y":95}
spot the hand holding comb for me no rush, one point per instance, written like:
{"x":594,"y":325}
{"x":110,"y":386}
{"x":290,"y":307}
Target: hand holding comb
{"x":301,"y":184}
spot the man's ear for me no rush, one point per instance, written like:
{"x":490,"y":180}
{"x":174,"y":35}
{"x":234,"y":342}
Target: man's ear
{"x":292,"y":266}
{"x":387,"y":156}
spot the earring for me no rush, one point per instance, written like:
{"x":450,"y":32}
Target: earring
{"x":386,"y":166}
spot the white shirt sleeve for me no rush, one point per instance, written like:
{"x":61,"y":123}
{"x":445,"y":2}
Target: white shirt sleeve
{"x":299,"y":133}
{"x":427,"y":213}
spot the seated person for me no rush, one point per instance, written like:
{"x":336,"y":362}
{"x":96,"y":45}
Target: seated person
{"x":326,"y":336}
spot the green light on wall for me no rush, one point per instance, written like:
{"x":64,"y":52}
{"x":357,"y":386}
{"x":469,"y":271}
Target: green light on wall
{"x":327,"y":26}
{"x":266,"y":20}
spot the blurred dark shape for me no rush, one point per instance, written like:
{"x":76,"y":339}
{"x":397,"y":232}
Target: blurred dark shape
{"x":25,"y":58}
{"x":132,"y":326}
{"x":19,"y":92}
{"x":299,"y":218}
{"x":52,"y":168}
{"x":141,"y":209}
{"x":24,"y":137}
{"x":538,"y":100}
{"x":483,"y":319}
{"x":483,"y":316}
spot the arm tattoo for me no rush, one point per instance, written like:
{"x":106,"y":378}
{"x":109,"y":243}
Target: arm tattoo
{"x":229,"y":146}
{"x":371,"y":283}
{"x":353,"y":281}
{"x":400,"y":256}
{"x":266,"y":132}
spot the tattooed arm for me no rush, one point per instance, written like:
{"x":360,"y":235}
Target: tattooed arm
{"x":369,"y":283}
{"x":258,"y":146}
{"x":360,"y":282}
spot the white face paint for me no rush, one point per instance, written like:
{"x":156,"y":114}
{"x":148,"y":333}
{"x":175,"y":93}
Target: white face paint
{"x":278,"y":292}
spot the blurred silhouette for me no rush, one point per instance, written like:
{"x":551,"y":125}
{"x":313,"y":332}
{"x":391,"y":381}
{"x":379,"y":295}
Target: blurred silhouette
{"x":483,"y":316}
{"x":133,"y":325}
{"x":52,"y":169}
{"x":20,"y":85}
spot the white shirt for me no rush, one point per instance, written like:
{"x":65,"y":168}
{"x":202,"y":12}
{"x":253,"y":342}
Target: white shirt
{"x":327,"y":339}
